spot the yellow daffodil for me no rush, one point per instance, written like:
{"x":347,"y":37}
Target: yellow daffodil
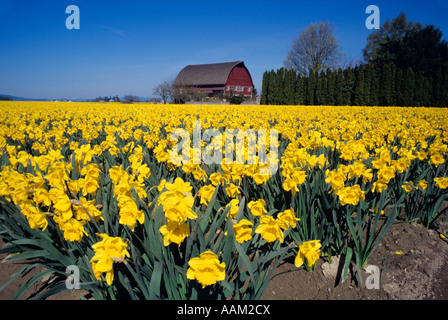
{"x":441,"y":182}
{"x":233,"y":191}
{"x":257,"y":208}
{"x":308,"y":250}
{"x":260,"y":178}
{"x":84,"y":209}
{"x":436,"y":159}
{"x":177,"y":206}
{"x":74,"y":230}
{"x":36,"y":218}
{"x":129,"y":213}
{"x":206,"y":193}
{"x":271,"y":229}
{"x":216,"y":178}
{"x":234,"y":207}
{"x":423,"y":184}
{"x":108,"y":251}
{"x":336,"y":179}
{"x":408,"y":186}
{"x":206,"y":269}
{"x":243,"y":230}
{"x":289,"y":217}
{"x":174,"y":232}
{"x":351,"y":195}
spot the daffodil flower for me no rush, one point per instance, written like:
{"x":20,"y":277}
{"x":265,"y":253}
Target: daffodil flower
{"x":206,"y":269}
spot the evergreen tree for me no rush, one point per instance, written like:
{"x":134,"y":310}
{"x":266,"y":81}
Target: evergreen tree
{"x":399,"y":83}
{"x":408,"y":87}
{"x":331,"y":83}
{"x":358,"y":99}
{"x":390,"y":31}
{"x":311,"y":89}
{"x":386,"y":86}
{"x":393,"y":94}
{"x":306,"y":85}
{"x":431,"y":99}
{"x":444,"y":87}
{"x":338,"y":87}
{"x":321,"y":89}
{"x":421,"y":49}
{"x":286,"y":88}
{"x":300,"y":91}
{"x":419,"y":89}
{"x":348,"y":85}
{"x":264,"y":88}
{"x":437,"y":88}
{"x":289,"y":87}
{"x":279,"y":87}
{"x":271,"y":88}
{"x":369,"y":73}
{"x":294,"y":78}
{"x":374,"y":87}
{"x":426,"y":92}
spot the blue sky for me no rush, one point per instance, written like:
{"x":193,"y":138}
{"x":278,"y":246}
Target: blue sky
{"x":128,"y":47}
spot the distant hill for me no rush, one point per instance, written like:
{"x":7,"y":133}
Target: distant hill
{"x":15,"y":98}
{"x":142,"y":99}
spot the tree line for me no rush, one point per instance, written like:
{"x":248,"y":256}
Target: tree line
{"x":107,"y":99}
{"x":405,"y":64}
{"x":362,"y":85}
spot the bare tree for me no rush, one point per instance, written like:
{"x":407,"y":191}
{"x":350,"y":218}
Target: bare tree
{"x":165,"y":90}
{"x":185,"y":92}
{"x":131,"y":98}
{"x":316,"y":48}
{"x":348,"y":61}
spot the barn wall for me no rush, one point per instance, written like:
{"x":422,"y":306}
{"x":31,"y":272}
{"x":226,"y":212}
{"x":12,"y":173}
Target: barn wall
{"x":239,"y":77}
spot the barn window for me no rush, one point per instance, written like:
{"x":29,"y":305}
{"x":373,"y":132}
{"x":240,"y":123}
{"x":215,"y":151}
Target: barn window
{"x":248,"y":89}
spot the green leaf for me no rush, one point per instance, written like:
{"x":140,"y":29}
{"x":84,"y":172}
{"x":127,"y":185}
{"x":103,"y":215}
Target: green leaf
{"x":348,"y":258}
{"x":155,"y":283}
{"x":139,"y":281}
{"x":246,"y":262}
{"x":29,"y":255}
{"x":30,"y":282}
{"x":61,"y":287}
{"x":17,"y":274}
{"x":229,"y":246}
{"x":206,"y":217}
{"x":352,"y":230}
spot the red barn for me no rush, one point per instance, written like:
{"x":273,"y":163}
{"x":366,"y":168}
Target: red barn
{"x":217,"y":78}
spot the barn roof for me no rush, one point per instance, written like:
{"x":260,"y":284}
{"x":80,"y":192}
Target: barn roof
{"x":206,"y":74}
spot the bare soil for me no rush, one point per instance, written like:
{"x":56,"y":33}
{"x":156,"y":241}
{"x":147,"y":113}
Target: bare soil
{"x":8,"y":269}
{"x":419,"y":273}
{"x":412,"y":263}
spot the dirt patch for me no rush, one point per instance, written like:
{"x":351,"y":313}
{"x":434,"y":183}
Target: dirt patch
{"x":411,"y":261}
{"x":418,"y":273}
{"x":8,"y":269}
